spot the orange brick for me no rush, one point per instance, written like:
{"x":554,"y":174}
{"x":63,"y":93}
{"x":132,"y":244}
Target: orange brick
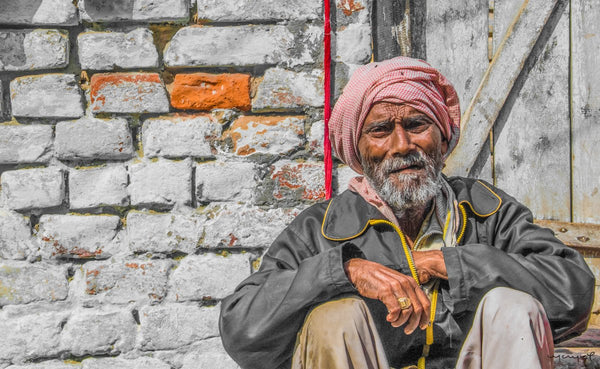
{"x":203,"y":91}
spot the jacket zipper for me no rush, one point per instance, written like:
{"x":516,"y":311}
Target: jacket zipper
{"x":407,"y":253}
{"x":413,"y":271}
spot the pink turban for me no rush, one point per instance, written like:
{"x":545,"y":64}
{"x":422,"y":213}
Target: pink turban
{"x":400,"y":80}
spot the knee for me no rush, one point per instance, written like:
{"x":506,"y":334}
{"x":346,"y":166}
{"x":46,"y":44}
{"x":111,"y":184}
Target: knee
{"x":502,"y":304}
{"x":337,"y":314}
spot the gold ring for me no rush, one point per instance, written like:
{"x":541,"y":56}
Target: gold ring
{"x":404,"y":302}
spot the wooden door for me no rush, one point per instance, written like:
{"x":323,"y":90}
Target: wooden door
{"x":525,"y":71}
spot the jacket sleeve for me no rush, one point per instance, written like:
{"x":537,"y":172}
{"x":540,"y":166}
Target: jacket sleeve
{"x":521,"y":255}
{"x":260,"y":320}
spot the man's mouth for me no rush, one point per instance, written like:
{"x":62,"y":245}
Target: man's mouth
{"x":406,"y":167}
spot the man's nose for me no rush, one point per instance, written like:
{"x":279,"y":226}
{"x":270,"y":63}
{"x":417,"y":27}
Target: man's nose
{"x":401,"y":142}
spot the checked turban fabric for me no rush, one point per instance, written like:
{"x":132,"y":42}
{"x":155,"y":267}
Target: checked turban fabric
{"x":399,"y":80}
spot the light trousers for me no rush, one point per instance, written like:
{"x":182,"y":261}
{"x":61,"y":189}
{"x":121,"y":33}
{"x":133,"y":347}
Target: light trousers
{"x":509,"y":330}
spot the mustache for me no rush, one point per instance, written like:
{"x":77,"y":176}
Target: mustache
{"x":395,"y":164}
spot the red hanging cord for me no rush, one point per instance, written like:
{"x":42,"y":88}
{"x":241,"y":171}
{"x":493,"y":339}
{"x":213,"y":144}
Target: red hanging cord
{"x":327,"y":106}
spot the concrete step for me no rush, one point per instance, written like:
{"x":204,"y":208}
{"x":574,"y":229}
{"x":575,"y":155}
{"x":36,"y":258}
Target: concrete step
{"x":581,"y":352}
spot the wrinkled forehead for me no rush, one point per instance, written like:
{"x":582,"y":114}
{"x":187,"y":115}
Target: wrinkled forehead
{"x":381,"y":111}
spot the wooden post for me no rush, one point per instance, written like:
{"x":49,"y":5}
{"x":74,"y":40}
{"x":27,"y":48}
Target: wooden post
{"x":391,"y":29}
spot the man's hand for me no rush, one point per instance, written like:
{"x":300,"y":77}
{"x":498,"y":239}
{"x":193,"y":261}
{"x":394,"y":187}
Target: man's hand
{"x":429,"y":264}
{"x":376,"y":281}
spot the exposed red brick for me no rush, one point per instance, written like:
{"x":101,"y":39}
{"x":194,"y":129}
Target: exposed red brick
{"x":250,"y":134}
{"x":305,"y":180}
{"x":349,"y":6}
{"x":101,"y":81}
{"x":203,"y":91}
{"x":247,"y":122}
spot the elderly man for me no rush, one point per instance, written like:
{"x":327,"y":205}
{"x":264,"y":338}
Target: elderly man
{"x":407,"y":267}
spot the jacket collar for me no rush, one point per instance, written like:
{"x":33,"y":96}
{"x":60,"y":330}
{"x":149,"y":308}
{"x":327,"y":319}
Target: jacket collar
{"x":481,"y":197}
{"x":348,"y":214}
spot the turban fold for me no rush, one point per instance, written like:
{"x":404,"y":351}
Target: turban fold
{"x":399,"y":80}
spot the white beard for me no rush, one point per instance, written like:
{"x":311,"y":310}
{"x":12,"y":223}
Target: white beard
{"x":405,"y":191}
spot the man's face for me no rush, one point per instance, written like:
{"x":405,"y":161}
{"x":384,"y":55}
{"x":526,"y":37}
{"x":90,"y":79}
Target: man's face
{"x":401,"y":151}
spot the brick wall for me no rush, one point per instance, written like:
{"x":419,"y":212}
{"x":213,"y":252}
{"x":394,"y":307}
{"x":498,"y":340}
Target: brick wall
{"x":149,"y":153}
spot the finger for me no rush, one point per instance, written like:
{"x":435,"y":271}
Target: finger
{"x":415,"y":312}
{"x":412,"y":323}
{"x":426,"y":308}
{"x":394,"y":310}
{"x":412,"y":314}
{"x":405,"y":316}
{"x":424,"y":276}
{"x":397,"y":286}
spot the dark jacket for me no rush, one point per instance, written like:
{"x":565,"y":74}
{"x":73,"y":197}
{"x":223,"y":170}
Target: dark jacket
{"x":304,"y":267}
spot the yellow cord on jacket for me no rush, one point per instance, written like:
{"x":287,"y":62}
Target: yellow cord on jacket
{"x":413,"y":271}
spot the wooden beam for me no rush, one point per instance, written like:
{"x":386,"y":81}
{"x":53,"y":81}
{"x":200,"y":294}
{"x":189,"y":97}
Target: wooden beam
{"x":497,"y":83}
{"x":532,"y":148}
{"x":391,"y":29}
{"x":585,"y":110}
{"x":581,"y":236}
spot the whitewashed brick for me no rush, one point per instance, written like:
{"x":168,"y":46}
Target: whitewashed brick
{"x":225,"y":181}
{"x":163,"y":233}
{"x":78,"y":236}
{"x":42,"y":12}
{"x":50,"y":364}
{"x":119,"y":363}
{"x":128,"y":93}
{"x":354,"y":44}
{"x":128,"y":10}
{"x":161,"y":183}
{"x":206,"y":353}
{"x":207,"y":276}
{"x":300,"y":181}
{"x":33,"y":188}
{"x":16,"y":241}
{"x":176,"y":325}
{"x":286,"y":89}
{"x":110,"y":50}
{"x":96,"y":187}
{"x":96,"y":331}
{"x":261,"y":10}
{"x":46,"y":95}
{"x":315,"y":138}
{"x":273,"y":135}
{"x":125,"y":281}
{"x":91,"y":138}
{"x":23,"y":282}
{"x":173,"y":137}
{"x":31,"y":336}
{"x":235,"y":225}
{"x":242,"y":45}
{"x":344,"y":176}
{"x":33,"y":49}
{"x":21,"y":144}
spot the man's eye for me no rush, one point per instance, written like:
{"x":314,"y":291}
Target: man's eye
{"x":379,"y":130}
{"x":418,"y":125}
